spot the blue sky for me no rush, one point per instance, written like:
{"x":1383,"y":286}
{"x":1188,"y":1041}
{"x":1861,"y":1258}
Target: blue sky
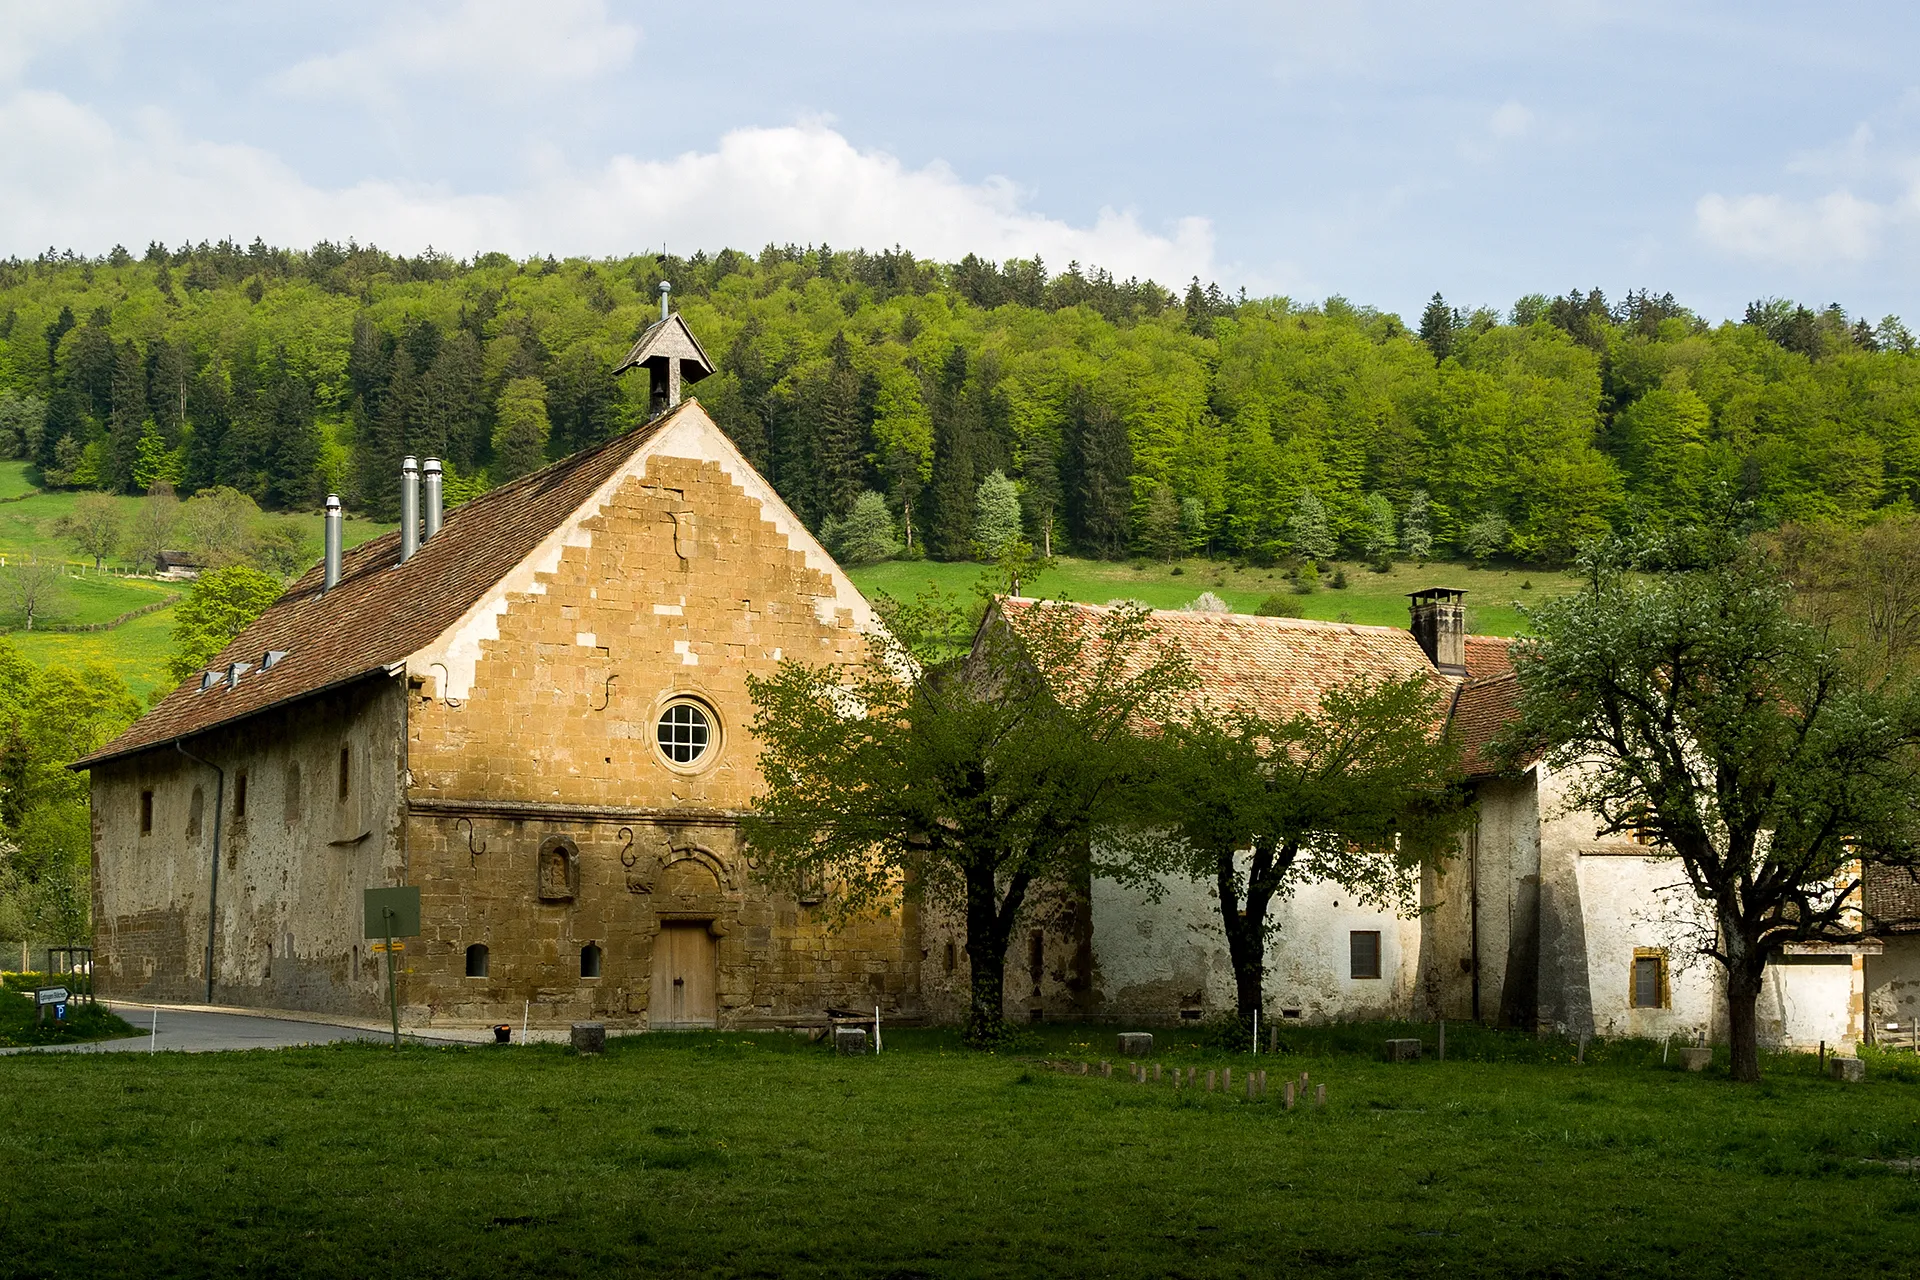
{"x":1379,"y":151}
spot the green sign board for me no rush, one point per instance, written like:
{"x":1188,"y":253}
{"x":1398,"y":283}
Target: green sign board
{"x":393,"y":913}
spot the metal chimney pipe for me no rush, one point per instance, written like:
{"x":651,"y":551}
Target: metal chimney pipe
{"x":409,"y":507}
{"x":666,"y":287}
{"x":334,"y":543}
{"x":431,"y":525}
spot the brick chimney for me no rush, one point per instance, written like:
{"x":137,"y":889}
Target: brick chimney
{"x":1439,"y":624}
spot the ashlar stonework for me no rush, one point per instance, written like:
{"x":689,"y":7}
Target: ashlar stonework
{"x":510,"y":764}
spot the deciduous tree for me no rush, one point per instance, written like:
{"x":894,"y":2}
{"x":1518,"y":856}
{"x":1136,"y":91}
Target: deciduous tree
{"x":959,"y":771}
{"x":1359,"y":792}
{"x":1694,"y":710}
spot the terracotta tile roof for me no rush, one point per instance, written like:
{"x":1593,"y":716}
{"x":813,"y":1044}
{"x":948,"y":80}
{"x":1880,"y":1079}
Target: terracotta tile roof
{"x":1278,"y":666}
{"x":1892,"y":899}
{"x":1488,"y":656}
{"x":1482,"y":709}
{"x":382,"y":611}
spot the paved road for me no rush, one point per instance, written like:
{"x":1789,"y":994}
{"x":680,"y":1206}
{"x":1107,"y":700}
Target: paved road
{"x":201,"y":1031}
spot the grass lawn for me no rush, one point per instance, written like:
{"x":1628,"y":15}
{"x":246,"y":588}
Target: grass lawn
{"x":1376,"y":598}
{"x":84,"y":1021}
{"x":708,"y":1154}
{"x":13,"y":480}
{"x":137,"y":650}
{"x":87,"y":598}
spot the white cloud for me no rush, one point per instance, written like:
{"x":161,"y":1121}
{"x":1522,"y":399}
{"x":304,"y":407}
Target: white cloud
{"x":502,"y":47}
{"x":1510,"y":121}
{"x":29,"y":28}
{"x":1837,"y":227}
{"x":71,"y":179}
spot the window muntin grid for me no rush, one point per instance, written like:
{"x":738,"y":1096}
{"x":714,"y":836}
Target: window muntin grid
{"x":684,"y":733}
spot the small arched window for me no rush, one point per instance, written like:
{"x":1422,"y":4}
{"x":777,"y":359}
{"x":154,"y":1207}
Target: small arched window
{"x":477,"y":960}
{"x":590,"y":961}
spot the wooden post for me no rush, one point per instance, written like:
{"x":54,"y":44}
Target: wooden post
{"x":1263,"y":1083}
{"x":1156,"y":1071}
{"x":1286,"y":1095}
{"x":1319,"y":1095}
{"x":1193,"y":1076}
{"x":1581,"y":1056}
{"x":1106,"y":1068}
{"x":1443,"y":1039}
{"x":1303,"y":1082}
{"x":1213,"y":1080}
{"x":1252,"y":1080}
{"x":1823,"y":1057}
{"x":1226,"y":1080}
{"x":1273,"y":1038}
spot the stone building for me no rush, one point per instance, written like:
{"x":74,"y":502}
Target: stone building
{"x":1537,"y":921}
{"x":538,"y":714}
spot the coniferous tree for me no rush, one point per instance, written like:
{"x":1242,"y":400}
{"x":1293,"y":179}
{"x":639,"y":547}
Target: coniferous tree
{"x":841,"y":434}
{"x":1416,"y":529}
{"x":581,"y":401}
{"x":1311,"y":531}
{"x":1099,"y":464}
{"x":955,"y":460}
{"x":169,"y":371}
{"x":996,"y":515}
{"x":1438,"y":324}
{"x":292,"y":454}
{"x":127,"y":419}
{"x":1160,"y":525}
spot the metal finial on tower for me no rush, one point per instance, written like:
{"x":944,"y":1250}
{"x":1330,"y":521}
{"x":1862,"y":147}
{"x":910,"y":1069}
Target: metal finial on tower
{"x":666,"y":287}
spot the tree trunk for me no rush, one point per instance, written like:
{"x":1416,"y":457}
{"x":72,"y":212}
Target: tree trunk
{"x":1744,"y":972}
{"x":1245,"y":941}
{"x":989,"y":923}
{"x":1246,"y":929}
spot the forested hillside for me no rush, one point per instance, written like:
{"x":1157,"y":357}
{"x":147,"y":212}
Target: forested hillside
{"x":1133,"y":421}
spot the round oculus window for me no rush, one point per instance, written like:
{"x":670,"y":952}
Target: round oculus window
{"x":685,"y":733}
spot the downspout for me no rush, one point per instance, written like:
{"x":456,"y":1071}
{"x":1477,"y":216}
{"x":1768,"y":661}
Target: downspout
{"x":213,"y":881}
{"x":1473,"y":911}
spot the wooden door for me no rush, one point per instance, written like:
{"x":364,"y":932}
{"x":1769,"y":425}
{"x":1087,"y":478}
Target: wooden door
{"x":684,"y":965}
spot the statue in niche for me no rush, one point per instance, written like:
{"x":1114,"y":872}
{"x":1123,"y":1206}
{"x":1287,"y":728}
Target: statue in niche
{"x":559,"y":868}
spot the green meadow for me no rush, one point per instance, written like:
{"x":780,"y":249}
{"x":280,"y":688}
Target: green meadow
{"x":764,"y":1155}
{"x":1494,"y":595}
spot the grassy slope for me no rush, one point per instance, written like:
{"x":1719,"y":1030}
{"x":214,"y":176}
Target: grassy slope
{"x":137,"y":650}
{"x":729,"y":1155}
{"x":1374,"y":598}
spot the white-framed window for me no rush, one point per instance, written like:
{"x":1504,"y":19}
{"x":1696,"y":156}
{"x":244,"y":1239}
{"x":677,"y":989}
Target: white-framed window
{"x":687,"y":733}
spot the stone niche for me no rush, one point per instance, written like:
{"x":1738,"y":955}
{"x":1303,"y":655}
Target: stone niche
{"x":558,"y":869}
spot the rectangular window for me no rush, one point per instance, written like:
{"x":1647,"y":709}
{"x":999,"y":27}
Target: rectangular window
{"x":240,"y":796}
{"x":1364,"y":950}
{"x":1649,"y":979}
{"x":146,"y":813}
{"x":346,"y":768}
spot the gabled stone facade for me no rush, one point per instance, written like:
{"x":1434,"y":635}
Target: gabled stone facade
{"x":510,"y":765}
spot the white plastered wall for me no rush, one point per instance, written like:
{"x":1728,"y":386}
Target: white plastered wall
{"x":1152,"y":958}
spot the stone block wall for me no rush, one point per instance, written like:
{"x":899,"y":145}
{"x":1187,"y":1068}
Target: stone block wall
{"x":293,"y":861}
